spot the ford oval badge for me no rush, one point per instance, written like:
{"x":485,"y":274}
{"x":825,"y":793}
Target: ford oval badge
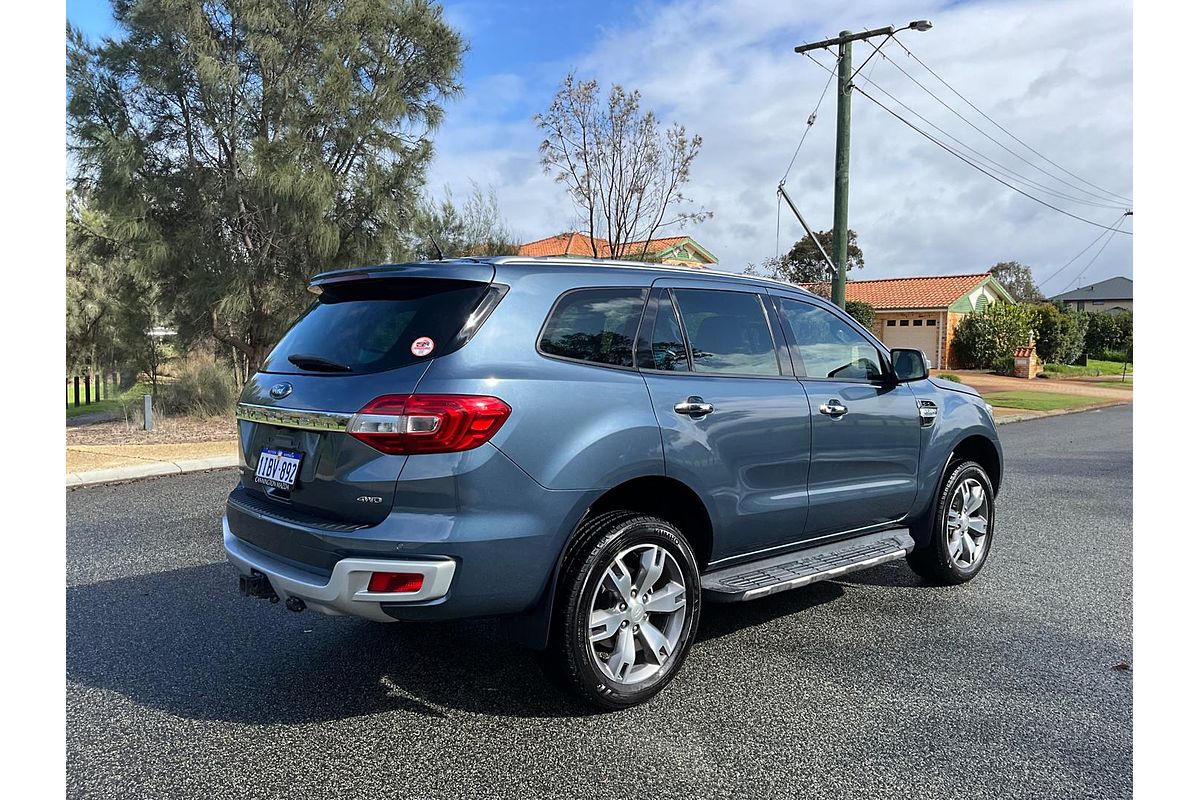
{"x":281,"y":390}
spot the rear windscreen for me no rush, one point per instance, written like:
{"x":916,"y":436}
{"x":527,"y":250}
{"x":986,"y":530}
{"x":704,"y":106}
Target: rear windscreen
{"x":376,"y":324}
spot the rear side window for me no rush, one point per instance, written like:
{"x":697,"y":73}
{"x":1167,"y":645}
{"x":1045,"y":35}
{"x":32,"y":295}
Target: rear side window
{"x":728,"y":332}
{"x":660,"y":344}
{"x":594,"y":325}
{"x":376,"y":324}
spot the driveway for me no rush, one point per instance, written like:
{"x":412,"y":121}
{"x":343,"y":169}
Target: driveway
{"x":870,"y":687}
{"x":986,"y":383}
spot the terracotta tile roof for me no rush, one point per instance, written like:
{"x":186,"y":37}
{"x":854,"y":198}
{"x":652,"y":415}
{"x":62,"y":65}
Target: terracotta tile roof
{"x":577,"y":244}
{"x":932,"y":291}
{"x":1023,"y":352}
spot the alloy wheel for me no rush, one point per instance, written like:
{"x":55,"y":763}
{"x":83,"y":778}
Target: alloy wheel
{"x":967,"y":520}
{"x":637,"y":614}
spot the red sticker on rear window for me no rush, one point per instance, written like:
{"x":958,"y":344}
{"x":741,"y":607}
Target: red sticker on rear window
{"x":422,"y":347}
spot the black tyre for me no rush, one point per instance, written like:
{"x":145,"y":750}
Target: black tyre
{"x":627,"y":609}
{"x":964,"y":517}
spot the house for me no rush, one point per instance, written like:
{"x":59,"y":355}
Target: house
{"x":678,"y":250}
{"x":923,"y":312}
{"x":1110,"y":296}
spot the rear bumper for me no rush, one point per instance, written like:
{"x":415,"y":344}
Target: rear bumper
{"x":344,"y":591}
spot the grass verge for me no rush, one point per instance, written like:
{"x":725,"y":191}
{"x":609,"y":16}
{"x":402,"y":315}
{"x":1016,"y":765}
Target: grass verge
{"x":1094,"y":367}
{"x":1038,"y":401}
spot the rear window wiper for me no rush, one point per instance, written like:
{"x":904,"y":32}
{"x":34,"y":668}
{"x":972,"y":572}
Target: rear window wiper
{"x":316,"y":363}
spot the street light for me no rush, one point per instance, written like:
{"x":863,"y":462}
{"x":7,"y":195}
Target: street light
{"x":920,"y":25}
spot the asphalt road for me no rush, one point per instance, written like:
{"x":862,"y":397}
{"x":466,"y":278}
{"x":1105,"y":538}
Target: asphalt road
{"x":874,"y":686}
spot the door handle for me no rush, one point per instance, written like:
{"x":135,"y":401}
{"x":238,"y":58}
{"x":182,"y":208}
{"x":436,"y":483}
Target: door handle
{"x":833,"y":408}
{"x":694,"y":407}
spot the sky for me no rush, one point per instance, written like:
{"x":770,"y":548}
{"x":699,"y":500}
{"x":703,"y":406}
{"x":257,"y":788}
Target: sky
{"x":1056,"y":74}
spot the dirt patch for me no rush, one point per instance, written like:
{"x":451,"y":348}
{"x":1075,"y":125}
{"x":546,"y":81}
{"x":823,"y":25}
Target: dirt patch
{"x":167,"y":430}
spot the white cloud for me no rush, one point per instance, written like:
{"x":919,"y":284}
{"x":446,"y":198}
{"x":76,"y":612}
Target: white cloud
{"x":1057,"y":74}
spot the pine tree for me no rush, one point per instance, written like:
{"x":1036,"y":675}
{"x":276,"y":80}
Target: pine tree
{"x":239,"y":146}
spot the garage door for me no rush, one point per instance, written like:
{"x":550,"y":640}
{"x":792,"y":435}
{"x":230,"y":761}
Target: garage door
{"x":920,"y":334}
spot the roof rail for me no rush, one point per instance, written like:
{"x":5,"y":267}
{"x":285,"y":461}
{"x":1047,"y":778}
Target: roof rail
{"x":642,"y":265}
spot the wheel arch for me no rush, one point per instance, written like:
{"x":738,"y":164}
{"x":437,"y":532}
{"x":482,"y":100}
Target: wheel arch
{"x":984,"y":452}
{"x":658,"y":495}
{"x":973,"y":447}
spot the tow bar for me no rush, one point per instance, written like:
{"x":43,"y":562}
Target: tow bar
{"x":256,"y":585}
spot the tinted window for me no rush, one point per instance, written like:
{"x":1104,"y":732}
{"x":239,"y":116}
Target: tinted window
{"x":660,"y":345}
{"x":596,"y":325}
{"x":728,"y":332}
{"x":827,"y":345}
{"x":370,"y":325}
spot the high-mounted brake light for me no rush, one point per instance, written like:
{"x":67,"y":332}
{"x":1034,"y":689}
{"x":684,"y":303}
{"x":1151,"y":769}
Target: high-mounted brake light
{"x":404,"y":424}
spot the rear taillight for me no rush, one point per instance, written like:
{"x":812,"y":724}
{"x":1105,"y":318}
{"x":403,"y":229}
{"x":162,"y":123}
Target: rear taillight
{"x":404,"y":424}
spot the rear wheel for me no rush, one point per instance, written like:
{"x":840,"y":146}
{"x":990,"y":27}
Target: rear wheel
{"x":627,"y":614}
{"x":963,"y":519}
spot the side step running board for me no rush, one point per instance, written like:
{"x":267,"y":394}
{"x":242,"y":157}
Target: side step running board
{"x":795,"y":569}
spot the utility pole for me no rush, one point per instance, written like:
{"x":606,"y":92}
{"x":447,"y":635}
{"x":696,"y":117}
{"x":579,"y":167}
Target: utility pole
{"x":841,"y":163}
{"x":841,"y":173}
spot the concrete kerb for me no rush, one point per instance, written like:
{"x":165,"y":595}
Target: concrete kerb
{"x":76,"y":480}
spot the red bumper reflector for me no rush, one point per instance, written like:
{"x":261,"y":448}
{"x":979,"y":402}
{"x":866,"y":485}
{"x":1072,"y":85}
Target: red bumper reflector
{"x":395,"y":582}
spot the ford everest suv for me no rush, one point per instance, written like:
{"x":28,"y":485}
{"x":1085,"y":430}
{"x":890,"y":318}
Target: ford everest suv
{"x":593,"y":449}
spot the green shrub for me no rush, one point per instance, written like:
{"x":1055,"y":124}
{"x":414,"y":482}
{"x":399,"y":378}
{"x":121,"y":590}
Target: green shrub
{"x":986,"y":339}
{"x":1059,"y":334}
{"x":950,"y":376}
{"x":1119,"y":356}
{"x":863,"y":312}
{"x":1108,"y":332}
{"x":204,"y":389}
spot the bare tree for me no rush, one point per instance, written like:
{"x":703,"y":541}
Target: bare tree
{"x":623,"y":171}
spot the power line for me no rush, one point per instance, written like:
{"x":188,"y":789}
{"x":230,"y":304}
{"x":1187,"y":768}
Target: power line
{"x":1076,"y":257}
{"x":1108,"y":203}
{"x":1086,"y":266}
{"x":1008,"y":133}
{"x":968,"y":161}
{"x":808,"y":125}
{"x":1013,"y":174}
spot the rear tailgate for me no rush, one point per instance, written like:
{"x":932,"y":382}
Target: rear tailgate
{"x":370,"y":333}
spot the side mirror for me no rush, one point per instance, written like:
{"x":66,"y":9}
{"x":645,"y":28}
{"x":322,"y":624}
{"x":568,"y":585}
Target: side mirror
{"x":909,"y":365}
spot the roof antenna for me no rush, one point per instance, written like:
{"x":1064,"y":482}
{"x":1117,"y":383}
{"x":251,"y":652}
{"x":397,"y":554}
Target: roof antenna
{"x":436,"y":248}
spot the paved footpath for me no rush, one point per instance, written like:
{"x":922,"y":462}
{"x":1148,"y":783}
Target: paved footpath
{"x":870,"y":687}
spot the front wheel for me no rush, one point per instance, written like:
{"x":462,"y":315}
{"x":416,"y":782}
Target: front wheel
{"x":963,"y":520}
{"x":629,"y":609}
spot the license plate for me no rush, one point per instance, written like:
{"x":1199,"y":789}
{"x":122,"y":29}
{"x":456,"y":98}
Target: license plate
{"x":278,"y":468}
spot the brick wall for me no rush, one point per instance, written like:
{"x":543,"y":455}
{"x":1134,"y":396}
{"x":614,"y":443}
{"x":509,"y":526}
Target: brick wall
{"x":952,"y":320}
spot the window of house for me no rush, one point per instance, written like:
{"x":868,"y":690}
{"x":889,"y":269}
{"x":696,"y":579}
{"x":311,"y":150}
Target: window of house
{"x":827,"y":345}
{"x":594,"y":325}
{"x":728,"y":332}
{"x":903,"y":323}
{"x":891,"y":323}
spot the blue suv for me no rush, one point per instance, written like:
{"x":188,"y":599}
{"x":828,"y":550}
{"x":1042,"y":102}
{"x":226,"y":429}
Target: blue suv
{"x":592,"y":450}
